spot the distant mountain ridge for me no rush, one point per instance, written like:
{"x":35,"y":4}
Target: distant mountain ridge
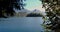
{"x":36,"y":11}
{"x":22,"y":10}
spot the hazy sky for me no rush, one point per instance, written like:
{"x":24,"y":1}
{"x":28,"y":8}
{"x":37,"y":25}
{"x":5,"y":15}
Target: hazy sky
{"x":33,"y":4}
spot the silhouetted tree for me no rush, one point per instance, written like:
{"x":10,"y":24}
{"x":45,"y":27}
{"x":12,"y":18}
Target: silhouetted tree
{"x":6,"y":7}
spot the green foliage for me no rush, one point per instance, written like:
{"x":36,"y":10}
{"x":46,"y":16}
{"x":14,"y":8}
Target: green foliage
{"x":52,"y":8}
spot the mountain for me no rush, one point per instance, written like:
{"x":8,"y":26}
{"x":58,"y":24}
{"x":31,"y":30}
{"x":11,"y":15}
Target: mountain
{"x":36,"y":11}
{"x":22,"y":10}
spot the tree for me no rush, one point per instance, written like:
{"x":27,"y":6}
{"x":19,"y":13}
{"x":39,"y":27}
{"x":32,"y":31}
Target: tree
{"x":52,"y":8}
{"x":6,"y":7}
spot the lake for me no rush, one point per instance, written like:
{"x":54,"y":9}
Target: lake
{"x":21,"y":24}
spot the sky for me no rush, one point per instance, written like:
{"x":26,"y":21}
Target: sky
{"x":34,"y":4}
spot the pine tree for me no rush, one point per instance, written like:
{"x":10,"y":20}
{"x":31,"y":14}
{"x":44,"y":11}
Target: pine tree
{"x":6,"y":7}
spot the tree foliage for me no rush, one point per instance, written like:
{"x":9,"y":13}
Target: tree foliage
{"x":6,"y":7}
{"x":52,"y":8}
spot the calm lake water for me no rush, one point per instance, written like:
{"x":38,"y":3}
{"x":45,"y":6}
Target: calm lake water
{"x":21,"y":24}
